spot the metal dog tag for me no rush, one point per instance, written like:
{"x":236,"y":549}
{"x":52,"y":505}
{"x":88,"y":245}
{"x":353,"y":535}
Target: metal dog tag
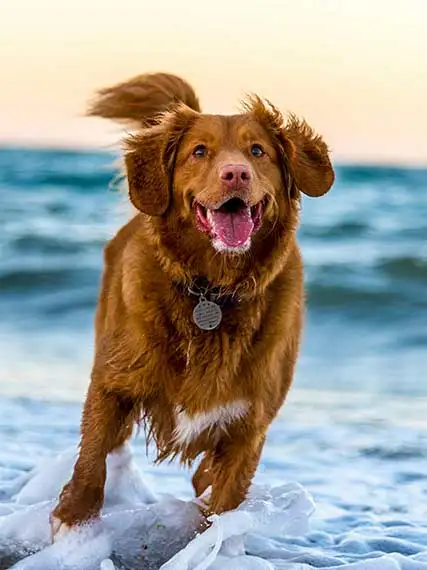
{"x":207,"y":315}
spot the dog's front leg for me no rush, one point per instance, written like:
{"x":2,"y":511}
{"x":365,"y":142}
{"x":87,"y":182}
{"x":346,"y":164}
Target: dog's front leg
{"x":202,"y":479}
{"x":234,"y":465}
{"x":106,"y":424}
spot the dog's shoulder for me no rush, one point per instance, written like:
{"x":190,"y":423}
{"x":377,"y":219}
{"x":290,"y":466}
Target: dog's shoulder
{"x":115,"y":246}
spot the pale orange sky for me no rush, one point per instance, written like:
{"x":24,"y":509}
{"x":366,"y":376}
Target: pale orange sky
{"x":355,"y":69}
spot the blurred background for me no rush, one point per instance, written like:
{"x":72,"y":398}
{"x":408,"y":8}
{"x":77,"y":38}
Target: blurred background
{"x":357,"y":72}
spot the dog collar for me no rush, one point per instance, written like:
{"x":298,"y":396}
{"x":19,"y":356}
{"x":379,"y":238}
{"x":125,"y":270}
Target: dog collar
{"x":202,"y":289}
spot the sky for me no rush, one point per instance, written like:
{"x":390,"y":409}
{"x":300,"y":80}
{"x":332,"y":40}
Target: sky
{"x":355,"y":69}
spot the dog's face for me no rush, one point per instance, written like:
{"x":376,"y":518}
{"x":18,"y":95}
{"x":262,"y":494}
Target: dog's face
{"x":226,"y":173}
{"x":225,"y":178}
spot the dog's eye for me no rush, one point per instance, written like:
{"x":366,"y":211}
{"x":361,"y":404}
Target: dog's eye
{"x":200,"y":151}
{"x":257,"y":150}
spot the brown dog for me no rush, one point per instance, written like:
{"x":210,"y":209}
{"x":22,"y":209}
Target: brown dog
{"x":200,"y":312}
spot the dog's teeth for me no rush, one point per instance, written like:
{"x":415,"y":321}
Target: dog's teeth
{"x":209,"y":216}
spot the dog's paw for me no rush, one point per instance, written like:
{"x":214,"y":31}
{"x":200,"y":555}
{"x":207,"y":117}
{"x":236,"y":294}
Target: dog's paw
{"x":204,"y":499}
{"x":58,"y":529}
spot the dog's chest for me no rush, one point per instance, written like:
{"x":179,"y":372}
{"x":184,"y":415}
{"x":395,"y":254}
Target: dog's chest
{"x":214,"y":421}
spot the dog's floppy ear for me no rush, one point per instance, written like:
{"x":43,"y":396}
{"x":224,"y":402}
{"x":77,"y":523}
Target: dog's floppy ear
{"x":148,"y":180}
{"x":303,"y":154}
{"x":308,"y":158}
{"x":150,"y":160}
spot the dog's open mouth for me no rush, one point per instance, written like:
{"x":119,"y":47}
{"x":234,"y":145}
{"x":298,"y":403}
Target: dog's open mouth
{"x":232,"y":224}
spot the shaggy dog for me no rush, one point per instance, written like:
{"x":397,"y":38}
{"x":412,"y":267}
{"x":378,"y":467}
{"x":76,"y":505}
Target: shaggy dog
{"x":200,"y":312}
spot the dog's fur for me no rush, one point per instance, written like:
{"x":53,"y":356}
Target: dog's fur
{"x":211,"y":393}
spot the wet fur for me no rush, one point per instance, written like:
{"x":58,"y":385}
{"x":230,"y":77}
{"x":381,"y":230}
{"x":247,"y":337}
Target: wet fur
{"x":151,"y":360}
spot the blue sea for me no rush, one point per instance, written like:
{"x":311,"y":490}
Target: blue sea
{"x":354,"y":432}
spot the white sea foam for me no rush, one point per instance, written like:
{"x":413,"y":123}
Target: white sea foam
{"x":139,"y":530}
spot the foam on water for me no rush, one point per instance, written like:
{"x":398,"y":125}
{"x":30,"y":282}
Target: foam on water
{"x":138,"y":528}
{"x":368,"y":510}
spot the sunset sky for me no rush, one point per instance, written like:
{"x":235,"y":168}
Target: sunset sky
{"x":355,"y":69}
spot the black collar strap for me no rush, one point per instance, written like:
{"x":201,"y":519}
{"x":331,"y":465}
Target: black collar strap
{"x":200,"y":287}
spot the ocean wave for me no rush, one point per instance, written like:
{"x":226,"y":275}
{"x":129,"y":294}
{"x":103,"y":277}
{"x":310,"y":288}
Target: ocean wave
{"x":47,"y":245}
{"x":397,"y":452}
{"x":405,"y":268}
{"x":35,"y":168}
{"x":347,"y":297}
{"x":78,"y":181}
{"x":345,"y":229}
{"x":364,"y":245}
{"x":28,"y":280}
{"x":372,"y":174}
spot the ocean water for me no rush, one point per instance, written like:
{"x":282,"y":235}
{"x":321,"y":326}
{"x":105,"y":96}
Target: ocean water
{"x":351,"y":442}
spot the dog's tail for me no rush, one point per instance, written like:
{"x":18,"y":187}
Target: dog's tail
{"x":138,"y":101}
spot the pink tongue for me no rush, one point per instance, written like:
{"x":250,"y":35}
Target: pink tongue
{"x":233,"y":229}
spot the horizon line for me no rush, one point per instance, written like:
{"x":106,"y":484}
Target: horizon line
{"x":90,"y":148}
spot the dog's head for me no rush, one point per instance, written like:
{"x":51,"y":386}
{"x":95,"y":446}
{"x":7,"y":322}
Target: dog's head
{"x":226,"y":181}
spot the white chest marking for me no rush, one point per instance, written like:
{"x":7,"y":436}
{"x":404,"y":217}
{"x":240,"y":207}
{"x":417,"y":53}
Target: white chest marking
{"x":190,"y":427}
